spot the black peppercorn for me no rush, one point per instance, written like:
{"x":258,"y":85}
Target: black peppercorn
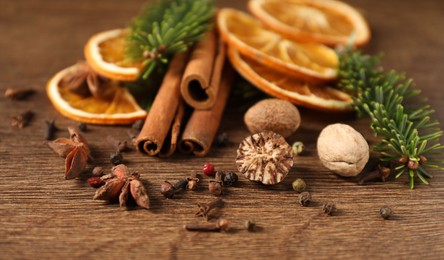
{"x":116,"y":158}
{"x":221,"y":140}
{"x":230,"y":179}
{"x":82,"y":127}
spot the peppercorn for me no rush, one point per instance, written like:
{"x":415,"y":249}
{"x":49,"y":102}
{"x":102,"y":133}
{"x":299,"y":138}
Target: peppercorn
{"x":96,"y":182}
{"x":208,"y":169}
{"x":385,"y":212}
{"x":221,"y":139}
{"x":297,"y":148}
{"x":299,"y":185}
{"x":82,"y":127}
{"x":305,"y":198}
{"x":97,"y":171}
{"x":230,"y":179}
{"x":116,"y":158}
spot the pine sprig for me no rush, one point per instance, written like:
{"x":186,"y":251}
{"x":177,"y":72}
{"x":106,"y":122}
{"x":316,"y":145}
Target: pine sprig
{"x":409,"y":135}
{"x":166,"y":27}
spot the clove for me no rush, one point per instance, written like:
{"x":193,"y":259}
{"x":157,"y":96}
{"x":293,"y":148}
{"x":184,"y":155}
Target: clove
{"x":381,"y":173}
{"x":385,"y":212}
{"x":216,"y":186}
{"x":305,"y":198}
{"x":22,"y":120}
{"x":50,"y":129}
{"x":121,"y":146}
{"x":205,"y":208}
{"x":221,"y":225}
{"x":250,"y":225}
{"x":329,"y":208}
{"x":193,"y":181}
{"x":169,"y":190}
{"x":19,"y":94}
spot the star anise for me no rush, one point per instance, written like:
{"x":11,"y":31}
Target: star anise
{"x":75,"y":151}
{"x":120,"y":184}
{"x":85,"y":81}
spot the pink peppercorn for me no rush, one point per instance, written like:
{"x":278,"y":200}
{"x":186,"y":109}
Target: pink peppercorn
{"x":208,"y":169}
{"x":95,"y":182}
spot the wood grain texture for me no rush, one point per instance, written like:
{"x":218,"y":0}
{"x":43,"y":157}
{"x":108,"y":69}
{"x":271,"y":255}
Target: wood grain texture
{"x":44,"y":216}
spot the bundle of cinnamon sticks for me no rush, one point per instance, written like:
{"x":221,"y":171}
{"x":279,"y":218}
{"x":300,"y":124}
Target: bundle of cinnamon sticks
{"x":193,"y":82}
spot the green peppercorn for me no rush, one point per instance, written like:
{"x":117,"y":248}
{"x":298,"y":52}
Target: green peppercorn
{"x":297,"y":147}
{"x":299,"y":185}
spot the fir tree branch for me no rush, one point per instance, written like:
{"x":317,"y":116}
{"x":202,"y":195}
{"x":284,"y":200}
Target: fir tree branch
{"x":409,"y":135}
{"x":166,"y":27}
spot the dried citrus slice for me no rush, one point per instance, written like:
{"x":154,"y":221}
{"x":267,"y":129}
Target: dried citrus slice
{"x":118,"y":107}
{"x":329,"y":22}
{"x":105,"y":53}
{"x":311,"y":61}
{"x":283,"y":86}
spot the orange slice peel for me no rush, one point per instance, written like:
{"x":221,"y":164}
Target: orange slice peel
{"x":310,"y":61}
{"x":329,"y":22}
{"x":292,"y":89}
{"x":104,"y":52}
{"x":119,"y":108}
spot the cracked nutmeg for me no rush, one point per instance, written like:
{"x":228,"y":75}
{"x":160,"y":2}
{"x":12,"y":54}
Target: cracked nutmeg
{"x":265,"y":157}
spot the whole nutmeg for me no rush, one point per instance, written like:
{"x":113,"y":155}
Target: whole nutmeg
{"x":342,"y":149}
{"x":273,"y":114}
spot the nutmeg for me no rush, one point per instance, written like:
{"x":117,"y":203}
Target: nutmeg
{"x":273,"y":114}
{"x":342,"y":149}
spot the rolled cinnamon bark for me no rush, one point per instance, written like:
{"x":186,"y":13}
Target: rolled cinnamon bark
{"x":202,"y":126}
{"x":164,"y":108}
{"x":200,"y":83}
{"x":169,"y":146}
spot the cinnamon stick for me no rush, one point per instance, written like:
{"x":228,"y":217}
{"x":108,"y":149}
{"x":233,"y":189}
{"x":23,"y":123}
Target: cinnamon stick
{"x":200,"y":84}
{"x":164,"y":108}
{"x":202,"y":126}
{"x":169,"y":146}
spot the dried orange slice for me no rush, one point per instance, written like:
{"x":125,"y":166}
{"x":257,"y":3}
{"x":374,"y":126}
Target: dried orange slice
{"x":105,"y":53}
{"x":310,"y":61}
{"x":119,"y":107}
{"x":329,"y":22}
{"x":289,"y":88}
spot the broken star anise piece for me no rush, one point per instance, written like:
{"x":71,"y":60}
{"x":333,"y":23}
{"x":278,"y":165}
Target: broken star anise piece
{"x":264,"y":157}
{"x":75,"y":151}
{"x":121,"y":185}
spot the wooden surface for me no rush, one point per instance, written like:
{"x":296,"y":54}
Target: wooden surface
{"x":44,"y":216}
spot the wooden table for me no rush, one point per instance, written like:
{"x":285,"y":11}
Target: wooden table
{"x":44,"y":216}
